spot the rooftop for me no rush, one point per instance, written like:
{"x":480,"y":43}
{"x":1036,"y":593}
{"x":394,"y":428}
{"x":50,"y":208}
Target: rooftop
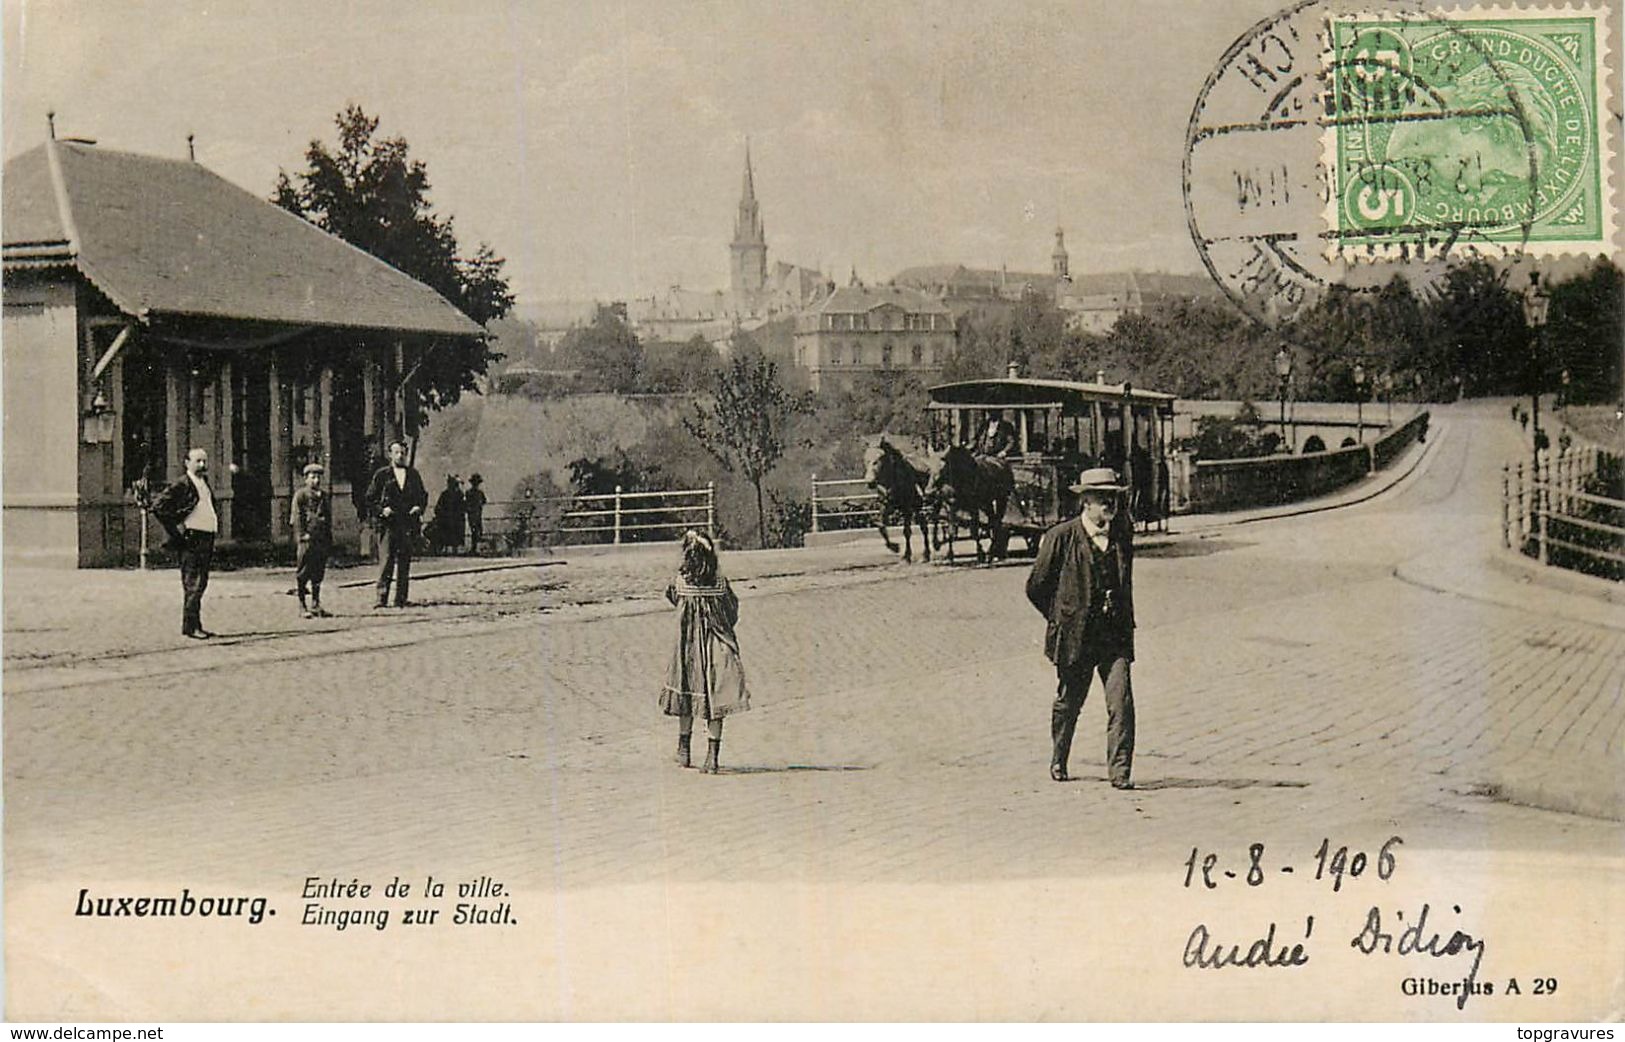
{"x":169,"y":237}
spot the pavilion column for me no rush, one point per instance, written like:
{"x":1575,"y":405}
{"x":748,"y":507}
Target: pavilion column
{"x":397,"y":393}
{"x":226,"y":443}
{"x":369,"y":396}
{"x":324,"y":418}
{"x":281,"y":447}
{"x":175,"y":427}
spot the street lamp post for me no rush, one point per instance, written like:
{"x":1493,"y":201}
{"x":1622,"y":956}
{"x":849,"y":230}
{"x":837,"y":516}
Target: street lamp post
{"x":1359,"y":401}
{"x":1536,"y":306}
{"x":1388,"y":393}
{"x":1283,"y":369}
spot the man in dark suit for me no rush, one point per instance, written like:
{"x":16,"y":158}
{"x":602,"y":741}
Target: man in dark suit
{"x":395,"y":500}
{"x":1083,"y":583}
{"x":998,"y":438}
{"x":188,"y":513}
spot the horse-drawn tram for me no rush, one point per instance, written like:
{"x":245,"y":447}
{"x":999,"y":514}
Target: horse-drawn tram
{"x":1049,"y":431}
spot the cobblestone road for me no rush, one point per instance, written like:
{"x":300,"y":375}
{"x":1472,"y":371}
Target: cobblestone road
{"x":1289,"y":688}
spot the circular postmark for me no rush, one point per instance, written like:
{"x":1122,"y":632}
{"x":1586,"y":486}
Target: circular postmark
{"x":1341,"y":142}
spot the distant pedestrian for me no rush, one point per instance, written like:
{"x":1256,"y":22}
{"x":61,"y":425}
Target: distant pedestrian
{"x":188,"y":512}
{"x":705,"y":678}
{"x":474,"y":507}
{"x":396,"y":499}
{"x":312,"y":521}
{"x":1083,"y":583}
{"x":448,"y":517}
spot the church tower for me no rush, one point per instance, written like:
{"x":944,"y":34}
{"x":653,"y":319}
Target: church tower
{"x":1058,"y":260}
{"x":748,"y":251}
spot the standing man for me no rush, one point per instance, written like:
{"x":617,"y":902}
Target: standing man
{"x":1083,"y":583}
{"x":396,"y":498}
{"x":474,"y":503}
{"x":187,"y":511}
{"x":312,"y":522}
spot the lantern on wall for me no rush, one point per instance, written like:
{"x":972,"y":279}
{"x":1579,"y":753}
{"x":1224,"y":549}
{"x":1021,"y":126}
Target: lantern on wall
{"x":98,"y":421}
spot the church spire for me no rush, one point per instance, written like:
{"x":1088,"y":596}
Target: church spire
{"x":747,"y":195}
{"x":748,"y":251}
{"x":748,"y":230}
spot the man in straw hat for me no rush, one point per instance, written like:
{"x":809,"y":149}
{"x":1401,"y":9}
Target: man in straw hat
{"x":1083,"y":583}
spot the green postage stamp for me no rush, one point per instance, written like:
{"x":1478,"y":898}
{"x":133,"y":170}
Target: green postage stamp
{"x":1483,"y":127}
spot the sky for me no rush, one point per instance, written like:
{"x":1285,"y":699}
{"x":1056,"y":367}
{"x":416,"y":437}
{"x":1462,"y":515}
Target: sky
{"x":599,"y":146}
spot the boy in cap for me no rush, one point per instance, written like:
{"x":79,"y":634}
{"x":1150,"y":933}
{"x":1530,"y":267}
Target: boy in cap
{"x":312,"y":521}
{"x":1083,"y":583}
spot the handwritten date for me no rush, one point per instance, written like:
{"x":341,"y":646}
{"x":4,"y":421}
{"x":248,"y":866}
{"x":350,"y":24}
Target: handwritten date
{"x":1334,"y":864}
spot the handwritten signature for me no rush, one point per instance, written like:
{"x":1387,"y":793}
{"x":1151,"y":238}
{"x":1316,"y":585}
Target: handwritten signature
{"x":1415,"y":939}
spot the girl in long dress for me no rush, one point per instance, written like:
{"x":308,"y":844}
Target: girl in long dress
{"x":705,"y":678}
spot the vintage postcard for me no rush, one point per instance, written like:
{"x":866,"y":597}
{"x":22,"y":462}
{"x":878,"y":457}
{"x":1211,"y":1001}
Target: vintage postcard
{"x":1055,"y":510}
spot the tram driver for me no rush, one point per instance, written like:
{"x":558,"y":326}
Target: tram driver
{"x":998,"y":438}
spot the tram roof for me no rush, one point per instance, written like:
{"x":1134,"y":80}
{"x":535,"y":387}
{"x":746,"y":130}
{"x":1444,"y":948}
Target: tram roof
{"x":1034,"y":393}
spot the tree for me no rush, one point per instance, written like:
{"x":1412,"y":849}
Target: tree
{"x":1241,"y":436}
{"x":678,"y":368}
{"x":1476,"y":325}
{"x":372,"y":194}
{"x":1588,"y":312}
{"x":607,"y":352}
{"x":744,"y":428}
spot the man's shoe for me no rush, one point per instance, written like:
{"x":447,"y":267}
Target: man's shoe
{"x":380,"y":606}
{"x":200,"y":634}
{"x":322,"y":613}
{"x":1058,"y":773}
{"x":1122,"y":783}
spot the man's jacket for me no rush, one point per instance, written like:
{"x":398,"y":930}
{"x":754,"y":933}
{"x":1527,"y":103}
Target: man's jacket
{"x":1061,"y":587}
{"x":384,"y":492}
{"x":311,"y":516}
{"x":173,"y":504}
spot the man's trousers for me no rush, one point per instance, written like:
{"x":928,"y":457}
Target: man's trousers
{"x":197,"y":551}
{"x":394,"y":562}
{"x":1112,"y":664}
{"x":310,"y":567}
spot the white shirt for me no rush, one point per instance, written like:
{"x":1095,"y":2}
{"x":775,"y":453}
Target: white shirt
{"x":1099,"y":536}
{"x":400,"y":478}
{"x":202,"y":518}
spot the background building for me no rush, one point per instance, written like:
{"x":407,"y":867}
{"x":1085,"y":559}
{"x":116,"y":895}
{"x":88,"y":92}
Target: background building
{"x":857,"y":329}
{"x":1093,"y":303}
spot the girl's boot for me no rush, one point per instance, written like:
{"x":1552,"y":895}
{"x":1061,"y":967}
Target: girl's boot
{"x":683,"y":759}
{"x":712,"y":747}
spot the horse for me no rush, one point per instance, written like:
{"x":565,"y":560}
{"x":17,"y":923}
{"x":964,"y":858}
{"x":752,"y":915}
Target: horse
{"x":900,"y":486}
{"x":975,"y":486}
